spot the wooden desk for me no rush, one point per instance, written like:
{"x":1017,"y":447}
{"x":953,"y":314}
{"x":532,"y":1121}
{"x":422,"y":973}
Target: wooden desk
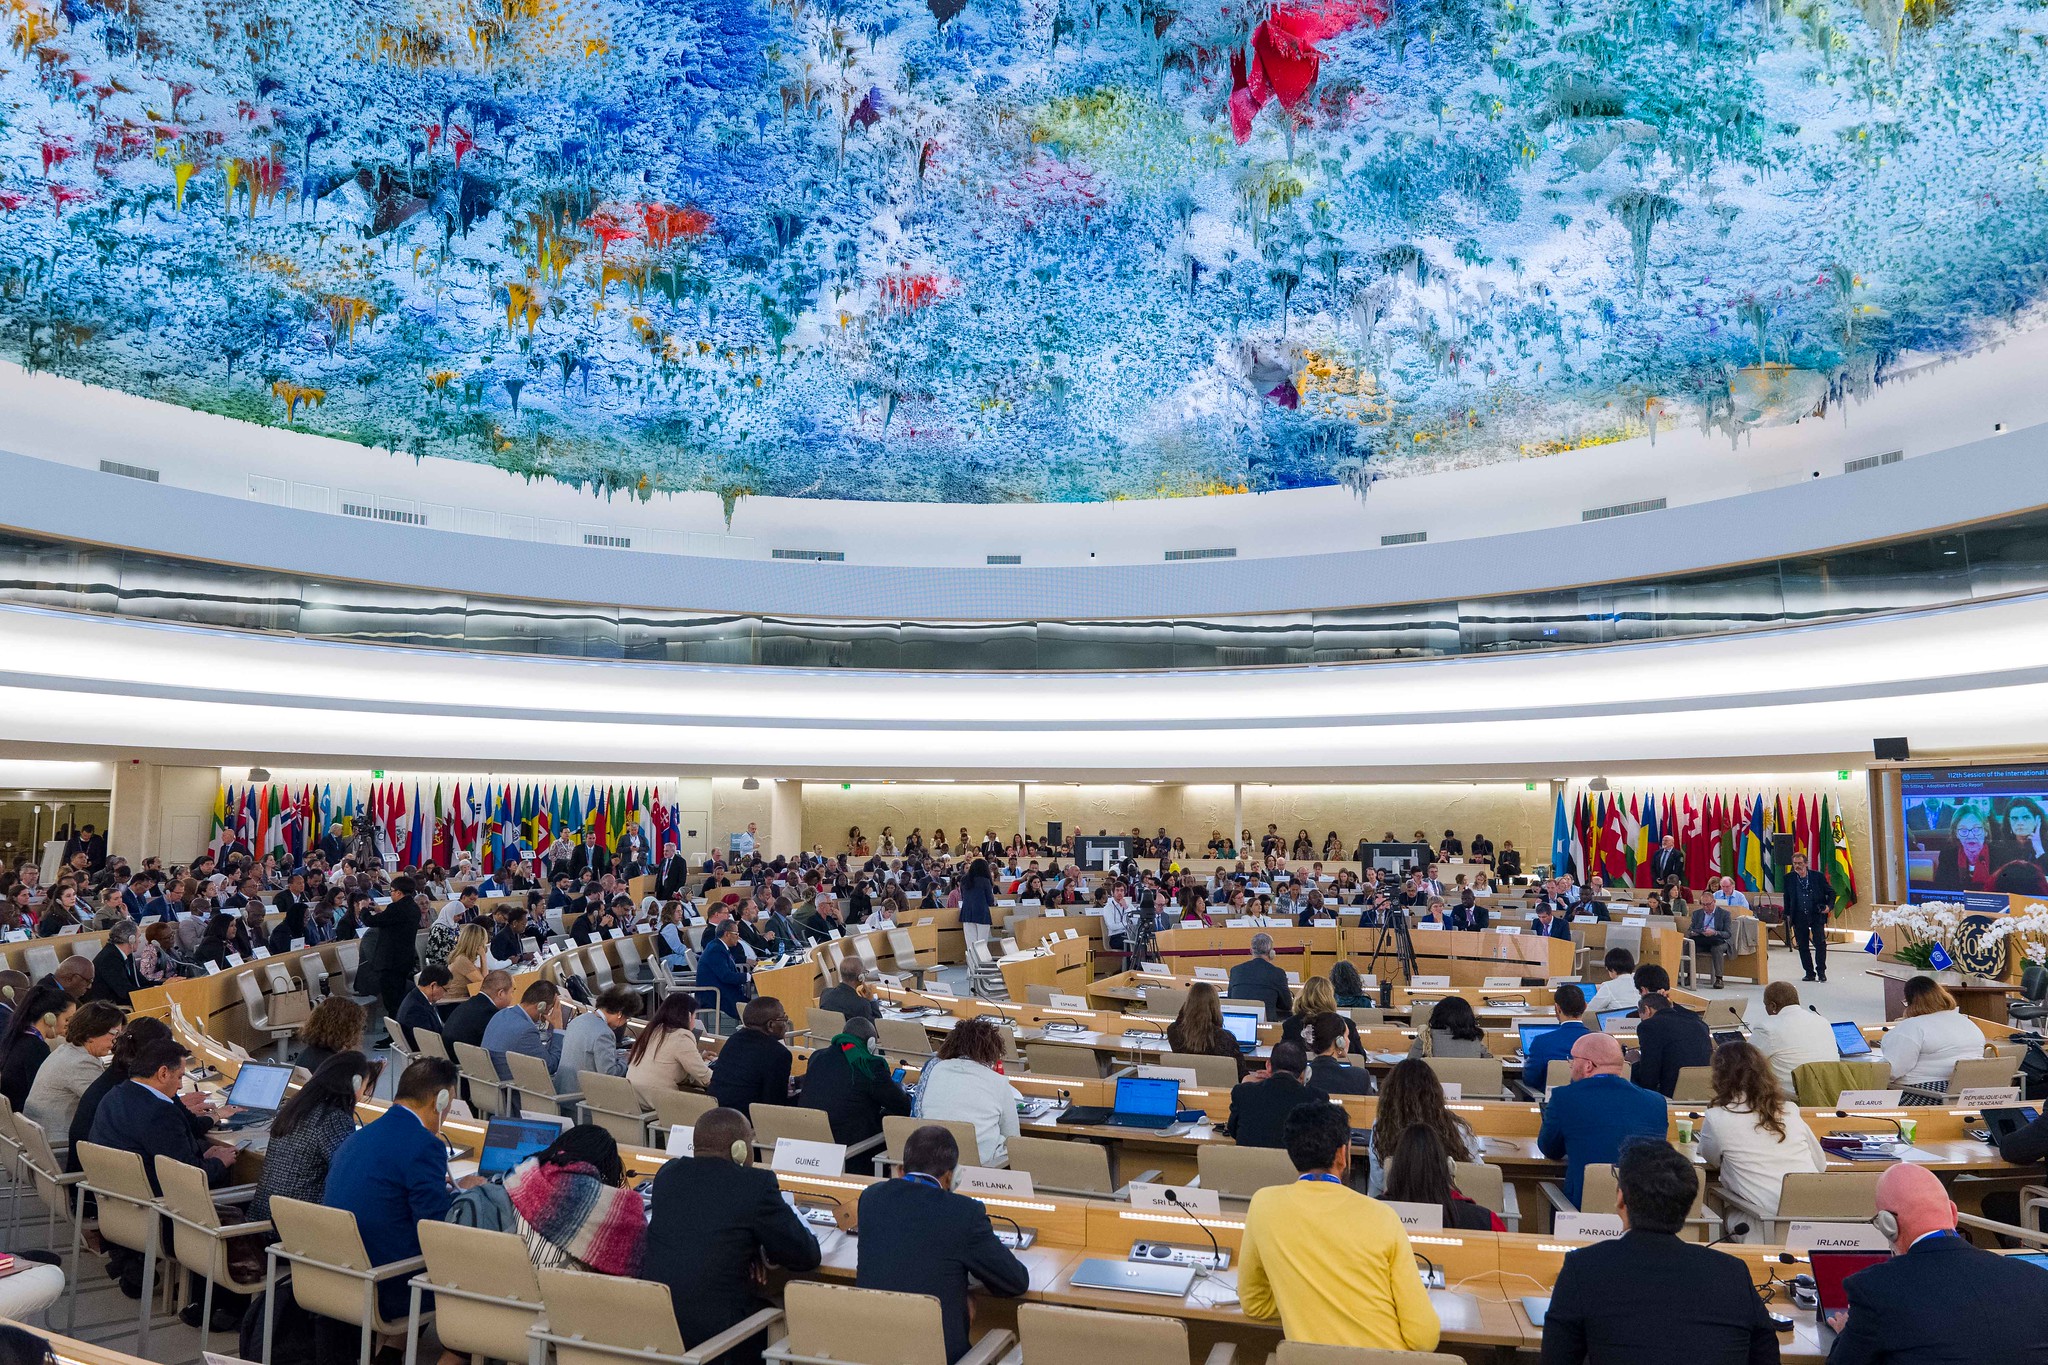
{"x":1981,"y":997}
{"x":1066,"y":968}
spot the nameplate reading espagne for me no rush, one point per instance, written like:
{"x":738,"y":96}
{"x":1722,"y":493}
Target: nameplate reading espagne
{"x":1868,"y":1099}
{"x":1990,"y":1096}
{"x":1418,"y":1217}
{"x":1211,"y":974}
{"x":984,"y":1180}
{"x":1500,"y":983}
{"x":682,"y":1140}
{"x":1804,"y":1236}
{"x":797,"y":1157}
{"x":1192,"y":1200}
{"x":1429,"y":983}
{"x":1597,"y":1227}
{"x":1066,"y":1002}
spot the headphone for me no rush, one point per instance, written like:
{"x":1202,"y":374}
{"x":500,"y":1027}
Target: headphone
{"x":1887,"y":1222}
{"x":442,"y":1099}
{"x":742,"y":1152}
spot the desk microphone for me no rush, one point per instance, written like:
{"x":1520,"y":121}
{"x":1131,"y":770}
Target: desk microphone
{"x":1431,"y":1275}
{"x":1216,"y":1250}
{"x":1732,"y":1230}
{"x":1865,"y":1114}
{"x":1023,"y":1238}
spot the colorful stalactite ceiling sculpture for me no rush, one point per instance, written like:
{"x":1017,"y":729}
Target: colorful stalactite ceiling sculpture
{"x":994,"y":250}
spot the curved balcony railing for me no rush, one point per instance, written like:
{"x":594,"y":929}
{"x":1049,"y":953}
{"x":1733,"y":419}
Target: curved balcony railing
{"x":1992,"y":559}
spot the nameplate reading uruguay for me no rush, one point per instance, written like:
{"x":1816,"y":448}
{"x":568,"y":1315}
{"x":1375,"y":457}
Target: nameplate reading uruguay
{"x":1804,"y":1236}
{"x":1596,"y":1227}
{"x":1192,"y":1200}
{"x":986,"y":1180}
{"x":1868,"y":1099}
{"x":797,"y":1157}
{"x":1418,"y":1217}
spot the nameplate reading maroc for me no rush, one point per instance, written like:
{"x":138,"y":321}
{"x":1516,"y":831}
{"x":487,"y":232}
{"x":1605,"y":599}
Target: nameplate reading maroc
{"x":1418,"y":1217}
{"x":1805,"y":1236}
{"x":985,"y":1180}
{"x":682,"y":1141}
{"x":798,"y":1157}
{"x":1990,"y":1096}
{"x":1192,"y":1200}
{"x":1868,"y":1099}
{"x":1597,"y":1227}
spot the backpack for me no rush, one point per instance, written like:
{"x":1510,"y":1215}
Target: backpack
{"x":485,"y":1206}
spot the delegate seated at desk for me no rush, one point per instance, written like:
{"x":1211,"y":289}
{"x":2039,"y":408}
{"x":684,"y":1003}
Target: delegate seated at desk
{"x":1587,"y":1121}
{"x":1262,"y":979}
{"x":1556,"y":1046}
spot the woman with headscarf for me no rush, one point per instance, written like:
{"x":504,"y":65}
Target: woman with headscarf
{"x":442,"y":933}
{"x":852,"y":1085}
{"x":573,"y":1209}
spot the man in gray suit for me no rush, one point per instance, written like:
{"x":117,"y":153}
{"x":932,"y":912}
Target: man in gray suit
{"x":1711,"y":927}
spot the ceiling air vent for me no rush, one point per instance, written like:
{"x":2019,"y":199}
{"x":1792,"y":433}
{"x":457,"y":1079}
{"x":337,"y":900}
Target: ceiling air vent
{"x":1006,"y":559}
{"x":1852,"y":467}
{"x":128,"y":471}
{"x":357,"y":509}
{"x":609,"y":542}
{"x":1622,"y":509}
{"x":833,"y":555}
{"x":1405,"y":538}
{"x":1172,"y":555}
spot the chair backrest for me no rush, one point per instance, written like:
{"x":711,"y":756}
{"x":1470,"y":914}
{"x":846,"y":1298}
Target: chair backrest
{"x":906,"y":1037}
{"x":1821,"y":1084}
{"x":1725,"y":1013}
{"x":1060,"y":1164}
{"x":608,"y":1310}
{"x":773,"y":1122}
{"x":900,"y":946}
{"x":1600,"y":1188}
{"x":1695,"y":1085}
{"x":531,"y":1073}
{"x":616,"y":1105}
{"x":1419,"y":1012}
{"x":864,"y":948}
{"x":432,"y":1044}
{"x":251,"y":993}
{"x":1052,"y":1335}
{"x":41,"y":960}
{"x":1629,"y":936}
{"x":1209,"y":1070}
{"x":1165,"y":1000}
{"x":186,"y":1195}
{"x":1062,"y":1059}
{"x":1241,"y":1172}
{"x":629,"y":955}
{"x":43,"y":1165}
{"x":823,"y":1024}
{"x":1481,"y":1183}
{"x":897,"y":1127}
{"x":329,"y":1236}
{"x":127,"y":1204}
{"x":673,"y":1107}
{"x":481,"y":1262}
{"x":1477,"y":1077}
{"x":1559,"y":1073}
{"x":1306,"y":1353}
{"x":863,"y":1326}
{"x":482,"y":1073}
{"x":1975,"y":1072}
{"x":1838,"y":1196}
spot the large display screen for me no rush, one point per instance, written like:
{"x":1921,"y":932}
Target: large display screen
{"x":1975,"y":830}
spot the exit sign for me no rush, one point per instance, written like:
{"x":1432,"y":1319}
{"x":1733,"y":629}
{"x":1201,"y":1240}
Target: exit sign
{"x":1841,"y":774}
{"x":1529,"y":786}
{"x":376,"y":772}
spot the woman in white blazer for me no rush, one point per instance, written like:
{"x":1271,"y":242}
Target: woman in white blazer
{"x":1753,"y":1132}
{"x":1925,"y":1045}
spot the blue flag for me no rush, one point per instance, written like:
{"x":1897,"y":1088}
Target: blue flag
{"x":1873,"y":945}
{"x":1938,"y":958}
{"x":1560,"y":839}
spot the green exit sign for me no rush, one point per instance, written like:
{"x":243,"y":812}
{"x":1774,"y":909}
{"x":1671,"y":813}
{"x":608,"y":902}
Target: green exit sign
{"x":1841,"y":774}
{"x":1529,"y":786}
{"x":846,"y":786}
{"x":376,"y":772}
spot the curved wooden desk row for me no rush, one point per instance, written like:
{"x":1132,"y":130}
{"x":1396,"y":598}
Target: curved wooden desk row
{"x":38,"y":957}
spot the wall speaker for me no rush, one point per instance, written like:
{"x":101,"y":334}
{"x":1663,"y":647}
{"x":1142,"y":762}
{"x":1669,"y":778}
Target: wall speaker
{"x":1782,"y":848}
{"x":1891,"y":750}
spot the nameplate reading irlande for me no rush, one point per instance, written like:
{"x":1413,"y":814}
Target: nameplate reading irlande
{"x":1211,"y":974}
{"x":1868,"y":1099}
{"x":1192,"y":1200}
{"x":984,"y":1180}
{"x":1418,"y":1217}
{"x":1805,"y":1236}
{"x":1500,"y":983}
{"x":682,"y":1140}
{"x":797,"y":1157}
{"x":1597,"y":1227}
{"x":1429,"y":983}
{"x":1066,"y":1002}
{"x":1990,"y":1096}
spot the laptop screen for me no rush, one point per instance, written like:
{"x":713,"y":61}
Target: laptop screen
{"x":1147,"y":1095}
{"x":259,"y":1086}
{"x":1242,"y":1025}
{"x":1831,"y":1268}
{"x":1531,"y":1032}
{"x":1849,"y":1040}
{"x":1609,"y":1019}
{"x":507,"y":1142}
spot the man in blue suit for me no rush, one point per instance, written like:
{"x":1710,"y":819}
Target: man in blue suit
{"x":1587,"y":1121}
{"x":1556,"y":1045}
{"x":394,"y":1173}
{"x":532,"y":1026}
{"x":1549,"y":923}
{"x":718,"y":965}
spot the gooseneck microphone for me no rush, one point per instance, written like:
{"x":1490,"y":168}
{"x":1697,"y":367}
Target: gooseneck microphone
{"x":1215,"y":1248}
{"x":1732,"y":1230}
{"x":1866,"y":1114}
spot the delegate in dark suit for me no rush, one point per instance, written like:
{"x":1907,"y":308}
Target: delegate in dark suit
{"x":398,"y":926}
{"x":391,"y":1175}
{"x":111,"y":978}
{"x":710,"y":1223}
{"x":1587,"y":1121}
{"x":1945,"y":1302}
{"x":844,"y":999}
{"x":1259,"y":1109}
{"x":417,"y":1013}
{"x":1259,"y":979}
{"x":1667,"y":863}
{"x":916,"y":1238}
{"x":468,"y":1022}
{"x":135,"y":1118}
{"x":1671,"y":1039}
{"x":855,"y":1098}
{"x":1648,"y":1296}
{"x":715,"y":967}
{"x":750,"y":1067}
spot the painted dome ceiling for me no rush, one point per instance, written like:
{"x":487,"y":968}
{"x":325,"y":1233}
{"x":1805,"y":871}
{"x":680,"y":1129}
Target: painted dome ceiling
{"x":1013,"y":250}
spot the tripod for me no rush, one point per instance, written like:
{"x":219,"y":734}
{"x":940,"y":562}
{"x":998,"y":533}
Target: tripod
{"x":1394,"y":921}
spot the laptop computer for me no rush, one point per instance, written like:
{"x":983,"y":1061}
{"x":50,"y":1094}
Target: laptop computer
{"x":1144,"y":1102}
{"x":1831,"y":1269}
{"x":1614,"y":1020}
{"x":258,"y":1091}
{"x":1849,"y":1040}
{"x":1242,"y":1025}
{"x":507,"y":1142}
{"x":1531,"y":1032}
{"x":1131,"y":1277}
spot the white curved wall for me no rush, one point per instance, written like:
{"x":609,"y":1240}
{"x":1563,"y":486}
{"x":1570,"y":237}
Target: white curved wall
{"x":1953,"y":681}
{"x":1937,"y":409}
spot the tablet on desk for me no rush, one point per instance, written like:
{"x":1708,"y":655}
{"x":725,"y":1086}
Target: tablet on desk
{"x":1849,"y":1040}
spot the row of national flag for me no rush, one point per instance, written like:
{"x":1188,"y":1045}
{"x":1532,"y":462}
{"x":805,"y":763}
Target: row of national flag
{"x":496,"y":825}
{"x":1616,"y":835}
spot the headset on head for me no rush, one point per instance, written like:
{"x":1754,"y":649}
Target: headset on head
{"x":1887,"y":1223}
